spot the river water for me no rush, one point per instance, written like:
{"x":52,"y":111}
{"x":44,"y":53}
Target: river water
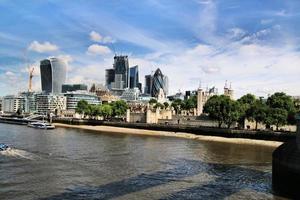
{"x":77,"y":164}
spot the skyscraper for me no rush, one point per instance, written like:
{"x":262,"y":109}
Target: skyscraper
{"x":109,"y":77}
{"x":121,"y":67}
{"x":134,"y":78}
{"x":159,"y":81}
{"x":153,"y":83}
{"x":148,"y":84}
{"x":53,"y":75}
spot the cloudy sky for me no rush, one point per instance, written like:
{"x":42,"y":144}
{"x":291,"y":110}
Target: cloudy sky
{"x":253,"y":44}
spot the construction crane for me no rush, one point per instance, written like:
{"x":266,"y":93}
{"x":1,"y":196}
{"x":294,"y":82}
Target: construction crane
{"x":30,"y":79}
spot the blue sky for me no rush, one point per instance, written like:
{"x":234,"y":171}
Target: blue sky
{"x":253,"y":44}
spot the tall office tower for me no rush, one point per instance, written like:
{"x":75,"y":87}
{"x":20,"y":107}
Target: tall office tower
{"x":159,"y":81}
{"x":148,"y":84}
{"x":121,"y":67}
{"x":109,"y":77}
{"x":134,"y":77}
{"x":53,"y":75}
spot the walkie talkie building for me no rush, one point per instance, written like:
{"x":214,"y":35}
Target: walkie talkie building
{"x":53,"y":75}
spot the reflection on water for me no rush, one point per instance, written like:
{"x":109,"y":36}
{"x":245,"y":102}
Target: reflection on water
{"x":76,"y":164}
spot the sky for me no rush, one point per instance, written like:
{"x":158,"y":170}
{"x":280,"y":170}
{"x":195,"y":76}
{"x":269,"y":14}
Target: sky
{"x":254,"y":45}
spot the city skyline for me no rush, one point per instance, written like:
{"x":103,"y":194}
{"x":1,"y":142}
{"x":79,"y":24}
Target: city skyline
{"x":253,"y":44}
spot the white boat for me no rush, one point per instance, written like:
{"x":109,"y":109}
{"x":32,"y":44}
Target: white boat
{"x":4,"y":147}
{"x":41,"y":125}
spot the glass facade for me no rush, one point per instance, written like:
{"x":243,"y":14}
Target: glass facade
{"x":134,"y":77}
{"x":159,"y":81}
{"x":121,"y":67}
{"x":73,"y":87}
{"x":53,"y":75}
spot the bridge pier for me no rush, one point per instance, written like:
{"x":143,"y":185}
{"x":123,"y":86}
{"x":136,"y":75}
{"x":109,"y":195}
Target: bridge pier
{"x":286,"y":168}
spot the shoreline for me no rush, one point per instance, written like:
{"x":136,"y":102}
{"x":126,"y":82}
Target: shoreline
{"x":183,"y":135}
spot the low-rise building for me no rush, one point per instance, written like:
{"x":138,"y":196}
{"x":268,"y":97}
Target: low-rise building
{"x":74,"y":97}
{"x":12,"y":103}
{"x":131,"y":94}
{"x":50,"y":103}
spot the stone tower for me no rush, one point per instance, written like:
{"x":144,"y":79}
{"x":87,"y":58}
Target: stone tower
{"x":228,"y":91}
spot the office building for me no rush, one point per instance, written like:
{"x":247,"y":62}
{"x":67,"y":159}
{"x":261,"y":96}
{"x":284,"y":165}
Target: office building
{"x":148,"y":84}
{"x":134,"y":78}
{"x":131,"y":94}
{"x":109,"y":77}
{"x":12,"y":103}
{"x":73,"y":87}
{"x":74,"y":97}
{"x":159,"y":81}
{"x":50,"y":103}
{"x":53,"y":75}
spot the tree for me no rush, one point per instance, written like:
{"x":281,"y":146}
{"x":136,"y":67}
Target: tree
{"x":257,"y":112}
{"x":82,"y":107}
{"x":152,"y":101}
{"x":166,"y":104}
{"x":177,"y":105}
{"x":245,"y":102}
{"x":190,"y":103}
{"x":106,"y":111}
{"x":119,"y":108}
{"x":223,"y":110}
{"x":159,"y":105}
{"x":277,"y":117}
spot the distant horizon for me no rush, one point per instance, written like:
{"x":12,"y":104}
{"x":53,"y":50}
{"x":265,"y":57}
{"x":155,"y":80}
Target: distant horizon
{"x":253,"y":44}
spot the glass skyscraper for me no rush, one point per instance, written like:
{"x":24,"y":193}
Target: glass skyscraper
{"x":134,"y":78}
{"x":121,"y":67}
{"x":53,"y":75}
{"x":159,"y":81}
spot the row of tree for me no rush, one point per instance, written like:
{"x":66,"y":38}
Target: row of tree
{"x":114,"y":109}
{"x":279,"y":110}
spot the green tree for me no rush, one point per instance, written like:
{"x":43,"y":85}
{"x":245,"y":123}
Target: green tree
{"x":245,"y":102}
{"x":277,"y":117}
{"x":223,"y":110}
{"x":190,"y":103}
{"x":119,"y":108}
{"x":282,"y":101}
{"x":82,"y":107}
{"x":106,"y":111}
{"x":159,"y":105}
{"x":177,"y":105}
{"x":152,"y":101}
{"x":257,"y":112}
{"x":166,"y":104}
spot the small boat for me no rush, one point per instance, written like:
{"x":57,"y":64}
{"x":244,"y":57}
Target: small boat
{"x":41,"y":125}
{"x":4,"y":147}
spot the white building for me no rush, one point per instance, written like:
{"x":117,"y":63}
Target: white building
{"x":74,"y":97}
{"x":131,"y":94}
{"x":11,"y":103}
{"x":1,"y":104}
{"x":50,"y":103}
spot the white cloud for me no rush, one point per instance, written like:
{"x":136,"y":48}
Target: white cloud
{"x":96,"y":37}
{"x":236,"y":33}
{"x":42,"y":47}
{"x":266,"y":21}
{"x":96,"y":49}
{"x":9,"y":73}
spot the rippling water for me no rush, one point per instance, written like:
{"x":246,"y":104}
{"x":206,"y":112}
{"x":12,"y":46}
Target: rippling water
{"x":77,"y":164}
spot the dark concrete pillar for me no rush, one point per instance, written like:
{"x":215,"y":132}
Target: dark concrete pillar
{"x":286,"y":168}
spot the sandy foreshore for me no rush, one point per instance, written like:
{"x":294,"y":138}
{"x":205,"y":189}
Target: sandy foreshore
{"x":111,"y":129}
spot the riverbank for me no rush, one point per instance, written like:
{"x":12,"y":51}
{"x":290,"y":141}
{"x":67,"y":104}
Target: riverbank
{"x":121,"y":130}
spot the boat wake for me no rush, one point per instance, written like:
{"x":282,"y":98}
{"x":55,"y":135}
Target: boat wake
{"x":17,"y":153}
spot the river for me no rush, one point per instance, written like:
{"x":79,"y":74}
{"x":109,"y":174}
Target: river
{"x":79,"y":164}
